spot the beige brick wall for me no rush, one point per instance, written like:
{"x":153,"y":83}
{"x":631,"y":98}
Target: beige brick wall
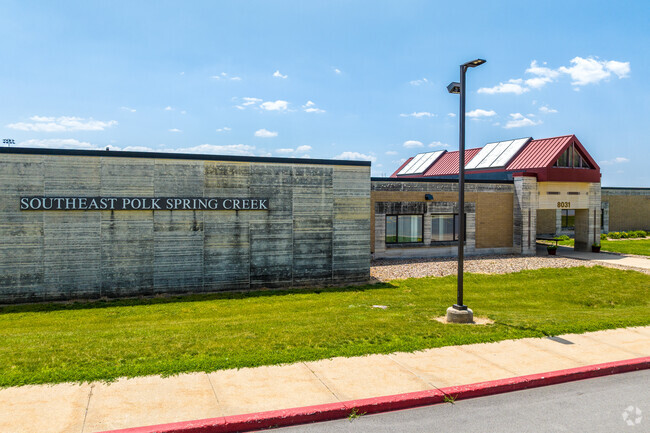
{"x":546,"y":221}
{"x":494,"y":212}
{"x":627,"y":211}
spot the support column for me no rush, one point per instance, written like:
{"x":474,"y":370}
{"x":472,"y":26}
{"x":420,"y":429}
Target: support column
{"x":588,"y":221}
{"x":525,"y":215}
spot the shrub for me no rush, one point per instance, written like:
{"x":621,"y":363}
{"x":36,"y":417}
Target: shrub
{"x":603,"y":237}
{"x":614,"y":235}
{"x":563,"y":238}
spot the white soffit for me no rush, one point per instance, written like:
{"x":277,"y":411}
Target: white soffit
{"x":420,"y":163}
{"x":497,"y":155}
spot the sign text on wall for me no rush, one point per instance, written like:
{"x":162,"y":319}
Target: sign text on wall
{"x":142,"y":203}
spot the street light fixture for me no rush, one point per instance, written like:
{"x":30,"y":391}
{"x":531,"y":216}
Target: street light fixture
{"x":459,"y":313}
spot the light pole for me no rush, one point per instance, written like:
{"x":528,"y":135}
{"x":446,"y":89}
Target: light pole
{"x":459,"y":313}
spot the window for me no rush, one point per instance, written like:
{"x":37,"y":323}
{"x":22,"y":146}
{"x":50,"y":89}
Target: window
{"x":571,"y":158}
{"x":445,"y":227}
{"x":403,"y":229}
{"x":568,"y":219}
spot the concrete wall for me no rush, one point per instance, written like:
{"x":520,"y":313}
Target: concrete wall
{"x":489,"y":209}
{"x":317,"y":230}
{"x":628,"y":208}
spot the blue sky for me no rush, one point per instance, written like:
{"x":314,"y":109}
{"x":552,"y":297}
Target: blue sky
{"x":336,"y":79}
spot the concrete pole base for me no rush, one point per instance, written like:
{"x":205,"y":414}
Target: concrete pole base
{"x":459,"y":316}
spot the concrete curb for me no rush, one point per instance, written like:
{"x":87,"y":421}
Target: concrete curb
{"x":326,"y":412}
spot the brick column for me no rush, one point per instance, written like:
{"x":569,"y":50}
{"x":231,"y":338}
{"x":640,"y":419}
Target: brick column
{"x":525,"y":215}
{"x":588,"y":221}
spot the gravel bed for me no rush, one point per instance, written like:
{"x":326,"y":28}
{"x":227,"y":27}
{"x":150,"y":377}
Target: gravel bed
{"x":391,"y":269}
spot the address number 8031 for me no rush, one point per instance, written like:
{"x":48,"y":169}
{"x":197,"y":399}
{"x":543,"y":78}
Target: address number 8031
{"x":563,"y":204}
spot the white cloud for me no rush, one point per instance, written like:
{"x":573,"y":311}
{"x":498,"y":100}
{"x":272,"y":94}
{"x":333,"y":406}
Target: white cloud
{"x":277,"y":74}
{"x":228,"y":149}
{"x":265,"y":133}
{"x":131,"y":110}
{"x":418,"y":114}
{"x":175,"y":130}
{"x":168,"y":108}
{"x":337,"y":71}
{"x":224,"y":129}
{"x":546,"y":109}
{"x":391,"y":152}
{"x":60,"y":143}
{"x":543,"y":75}
{"x":70,"y":143}
{"x":481,"y":113}
{"x":61,"y":124}
{"x":512,"y":86}
{"x":451,"y":114}
{"x":418,"y":82}
{"x":250,"y":101}
{"x":356,"y":156}
{"x":617,"y":160}
{"x":225,"y":77}
{"x":438,"y":145}
{"x":278,"y":105}
{"x":412,"y":143}
{"x":518,"y":120}
{"x":299,"y":149}
{"x":583,"y":71}
{"x":310,"y":108}
{"x":591,"y":71}
{"x":314,"y":110}
{"x":303,"y":148}
{"x":621,"y":69}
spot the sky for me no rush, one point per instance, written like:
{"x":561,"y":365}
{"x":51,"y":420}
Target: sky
{"x":327,"y":79}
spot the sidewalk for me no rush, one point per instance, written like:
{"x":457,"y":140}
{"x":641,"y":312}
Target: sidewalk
{"x":605,"y":258}
{"x":153,"y":400}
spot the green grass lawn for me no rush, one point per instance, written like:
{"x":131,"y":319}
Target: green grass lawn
{"x":640,"y":247}
{"x":51,"y":343}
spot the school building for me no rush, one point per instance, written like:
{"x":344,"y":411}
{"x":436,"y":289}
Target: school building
{"x":78,"y":224}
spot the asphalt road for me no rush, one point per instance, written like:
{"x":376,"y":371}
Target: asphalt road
{"x":593,"y":405}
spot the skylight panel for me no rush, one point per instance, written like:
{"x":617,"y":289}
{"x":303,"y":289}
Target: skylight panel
{"x":480,"y":156}
{"x":496,"y":152}
{"x":410,"y":165}
{"x":420,"y":163}
{"x":510,"y":152}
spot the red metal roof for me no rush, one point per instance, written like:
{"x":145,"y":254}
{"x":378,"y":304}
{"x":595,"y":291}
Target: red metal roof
{"x":536,"y":158}
{"x":540,"y":153}
{"x":447,"y":164}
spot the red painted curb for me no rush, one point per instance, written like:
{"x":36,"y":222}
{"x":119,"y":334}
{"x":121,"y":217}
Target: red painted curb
{"x":326,"y":412}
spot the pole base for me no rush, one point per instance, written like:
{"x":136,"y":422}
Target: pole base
{"x":455,"y":315}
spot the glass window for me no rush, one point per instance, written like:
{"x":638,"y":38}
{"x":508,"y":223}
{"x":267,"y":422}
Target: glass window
{"x":445,"y":227}
{"x":391,"y":229}
{"x":442,"y":227}
{"x":403,"y":229}
{"x":568,"y":219}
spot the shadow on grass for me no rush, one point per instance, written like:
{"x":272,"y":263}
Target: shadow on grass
{"x":171,"y":298}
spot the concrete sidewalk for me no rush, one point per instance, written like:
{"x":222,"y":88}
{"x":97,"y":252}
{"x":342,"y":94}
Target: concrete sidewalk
{"x":604,"y":257}
{"x":153,"y":400}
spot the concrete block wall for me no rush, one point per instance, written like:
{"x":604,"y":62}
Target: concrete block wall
{"x":316,"y":232}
